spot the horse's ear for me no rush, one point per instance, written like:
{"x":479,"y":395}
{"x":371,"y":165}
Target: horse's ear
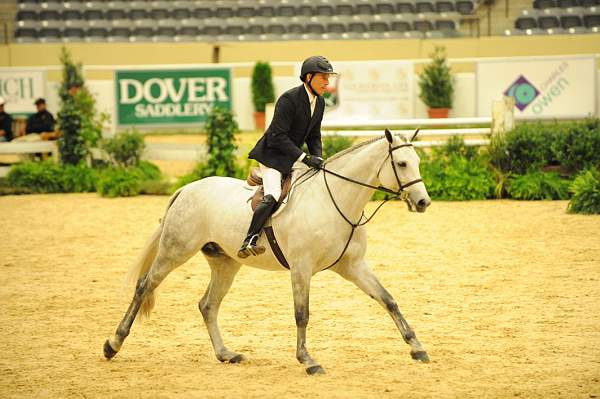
{"x":388,"y":136}
{"x":414,"y":135}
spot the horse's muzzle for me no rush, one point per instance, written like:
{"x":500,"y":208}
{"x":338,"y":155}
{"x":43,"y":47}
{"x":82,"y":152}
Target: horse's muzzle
{"x":422,"y":204}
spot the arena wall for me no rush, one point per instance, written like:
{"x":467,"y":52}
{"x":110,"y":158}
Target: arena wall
{"x":100,"y":59}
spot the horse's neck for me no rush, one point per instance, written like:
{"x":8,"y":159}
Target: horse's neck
{"x":360,"y":165}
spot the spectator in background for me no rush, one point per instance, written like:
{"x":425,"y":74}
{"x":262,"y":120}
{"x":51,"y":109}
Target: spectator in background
{"x":41,"y":122}
{"x":5,"y":123}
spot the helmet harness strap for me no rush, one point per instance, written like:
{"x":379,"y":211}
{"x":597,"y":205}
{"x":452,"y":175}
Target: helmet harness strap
{"x":312,"y":90}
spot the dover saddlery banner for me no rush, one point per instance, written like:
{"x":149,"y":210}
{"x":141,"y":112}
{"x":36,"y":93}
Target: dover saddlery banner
{"x":20,"y":88}
{"x":560,"y":87}
{"x":170,"y":96}
{"x":370,"y":90}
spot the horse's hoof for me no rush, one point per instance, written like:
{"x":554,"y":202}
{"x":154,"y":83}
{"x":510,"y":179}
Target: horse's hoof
{"x":109,"y":352}
{"x":237,"y":358}
{"x":231,"y":357}
{"x":312,"y":370}
{"x":420,"y":356}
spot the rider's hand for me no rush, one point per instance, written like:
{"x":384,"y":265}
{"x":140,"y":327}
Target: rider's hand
{"x":313,"y":161}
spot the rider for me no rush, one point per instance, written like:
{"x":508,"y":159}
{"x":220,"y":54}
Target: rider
{"x":297,"y":120}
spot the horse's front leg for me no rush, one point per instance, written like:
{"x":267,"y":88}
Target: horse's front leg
{"x":301,"y":276}
{"x":361,"y":274}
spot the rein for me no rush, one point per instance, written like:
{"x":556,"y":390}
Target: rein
{"x":396,"y":194}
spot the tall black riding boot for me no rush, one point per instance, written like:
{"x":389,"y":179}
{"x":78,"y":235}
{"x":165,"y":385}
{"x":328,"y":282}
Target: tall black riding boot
{"x":261,"y":214}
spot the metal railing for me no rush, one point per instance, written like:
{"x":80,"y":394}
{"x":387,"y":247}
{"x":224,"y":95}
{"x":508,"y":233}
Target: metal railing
{"x":438,"y":128}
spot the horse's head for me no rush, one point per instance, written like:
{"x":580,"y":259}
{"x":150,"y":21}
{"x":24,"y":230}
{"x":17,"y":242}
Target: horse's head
{"x":400,"y":172}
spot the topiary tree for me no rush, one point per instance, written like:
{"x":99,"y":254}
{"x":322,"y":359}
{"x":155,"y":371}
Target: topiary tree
{"x":79,"y":122}
{"x":436,"y":81}
{"x":262,"y":86}
{"x":220,"y":127}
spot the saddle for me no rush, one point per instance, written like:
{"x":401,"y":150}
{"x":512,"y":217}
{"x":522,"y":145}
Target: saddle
{"x":255,"y":179}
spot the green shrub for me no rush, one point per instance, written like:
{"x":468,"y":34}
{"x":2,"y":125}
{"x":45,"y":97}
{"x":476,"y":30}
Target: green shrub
{"x":455,"y":146}
{"x":335,"y":144}
{"x":149,"y":171}
{"x":528,"y":147}
{"x":49,"y":177}
{"x":156,"y":187}
{"x":263,"y":91}
{"x":39,"y":177}
{"x":577,"y":147}
{"x":586,"y":193}
{"x":458,"y":178}
{"x":532,"y":146}
{"x":124,"y":149}
{"x":79,"y":178}
{"x":119,"y":182}
{"x":538,"y":186}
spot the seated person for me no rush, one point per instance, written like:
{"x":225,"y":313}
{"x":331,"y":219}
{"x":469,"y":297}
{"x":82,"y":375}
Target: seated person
{"x":41,"y":122}
{"x":5,"y":123}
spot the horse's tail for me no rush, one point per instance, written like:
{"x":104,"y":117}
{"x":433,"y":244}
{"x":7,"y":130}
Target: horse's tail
{"x":145,"y":260}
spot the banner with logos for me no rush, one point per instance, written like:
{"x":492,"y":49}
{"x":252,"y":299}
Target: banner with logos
{"x":20,"y":88}
{"x":370,"y":90}
{"x":170,"y":96}
{"x":558,"y":87}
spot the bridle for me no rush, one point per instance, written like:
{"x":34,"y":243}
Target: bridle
{"x":401,"y":193}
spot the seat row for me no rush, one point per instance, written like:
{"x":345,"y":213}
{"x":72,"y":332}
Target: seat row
{"x":554,"y":22}
{"x":163,"y":9}
{"x":440,"y":28}
{"x":387,"y":18}
{"x":543,"y":4}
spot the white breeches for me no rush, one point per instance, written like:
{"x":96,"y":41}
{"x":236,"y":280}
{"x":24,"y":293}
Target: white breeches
{"x":271,"y":181}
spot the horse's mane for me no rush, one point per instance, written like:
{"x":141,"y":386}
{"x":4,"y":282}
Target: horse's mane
{"x":357,"y":146}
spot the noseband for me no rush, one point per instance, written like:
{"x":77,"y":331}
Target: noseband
{"x":401,"y":193}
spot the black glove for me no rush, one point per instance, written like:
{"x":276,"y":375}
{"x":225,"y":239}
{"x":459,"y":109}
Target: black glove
{"x":313,"y":161}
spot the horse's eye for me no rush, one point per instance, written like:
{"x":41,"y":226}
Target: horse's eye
{"x":402,"y":164}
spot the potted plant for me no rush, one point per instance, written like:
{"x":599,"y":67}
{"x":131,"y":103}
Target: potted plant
{"x":437,"y":85}
{"x":262,"y":91}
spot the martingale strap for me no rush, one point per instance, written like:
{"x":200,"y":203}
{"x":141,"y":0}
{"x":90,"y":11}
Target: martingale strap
{"x":396,"y":194}
{"x":275,"y":247}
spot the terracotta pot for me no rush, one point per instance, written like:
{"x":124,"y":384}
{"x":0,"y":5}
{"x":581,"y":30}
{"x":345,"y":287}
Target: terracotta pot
{"x":438,"y":112}
{"x":259,"y":120}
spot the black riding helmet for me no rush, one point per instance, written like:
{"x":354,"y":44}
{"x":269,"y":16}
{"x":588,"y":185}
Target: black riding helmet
{"x":314,"y":65}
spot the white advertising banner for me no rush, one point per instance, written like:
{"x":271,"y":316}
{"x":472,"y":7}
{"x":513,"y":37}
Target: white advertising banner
{"x":561,"y":87}
{"x":370,"y":90}
{"x":20,"y":88}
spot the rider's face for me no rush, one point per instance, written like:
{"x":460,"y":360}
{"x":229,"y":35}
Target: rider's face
{"x":319,"y":82}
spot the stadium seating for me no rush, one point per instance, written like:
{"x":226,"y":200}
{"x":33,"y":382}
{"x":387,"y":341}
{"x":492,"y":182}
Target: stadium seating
{"x":231,"y":20}
{"x":559,"y":17}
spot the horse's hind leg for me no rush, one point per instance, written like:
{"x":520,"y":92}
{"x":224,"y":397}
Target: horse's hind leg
{"x":223,"y":271}
{"x":362,"y":275}
{"x":161,"y":267}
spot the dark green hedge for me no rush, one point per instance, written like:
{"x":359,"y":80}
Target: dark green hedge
{"x":532,"y":146}
{"x":586,"y":193}
{"x":48,"y":177}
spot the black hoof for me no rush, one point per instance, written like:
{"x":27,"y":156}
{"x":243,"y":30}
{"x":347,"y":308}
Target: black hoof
{"x":420,"y":356}
{"x":237,"y":359}
{"x":312,"y":370}
{"x":109,"y":352}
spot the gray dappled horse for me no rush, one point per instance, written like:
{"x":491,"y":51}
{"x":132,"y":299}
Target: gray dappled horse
{"x":322,"y":227}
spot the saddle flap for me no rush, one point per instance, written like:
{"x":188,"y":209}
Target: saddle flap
{"x":259,"y":194}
